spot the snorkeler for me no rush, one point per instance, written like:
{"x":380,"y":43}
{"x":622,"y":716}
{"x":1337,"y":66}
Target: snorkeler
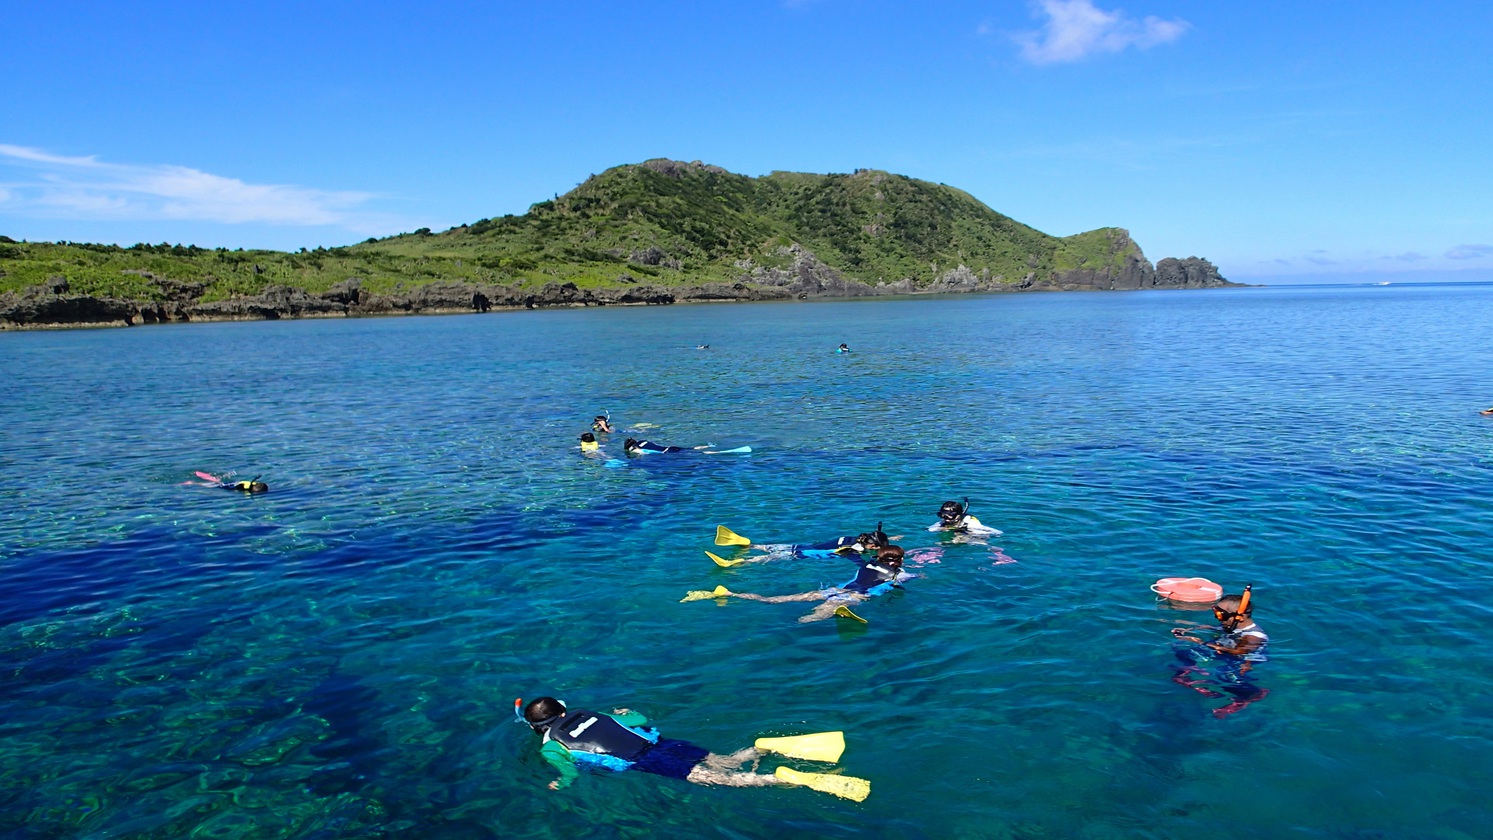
{"x":602,"y":423}
{"x":860,"y":543}
{"x":1232,"y":654}
{"x":873,"y":578}
{"x":225,"y":482}
{"x":954,"y":517}
{"x":843,"y":348}
{"x":588,"y":443}
{"x":620,"y":741}
{"x":633,"y":446}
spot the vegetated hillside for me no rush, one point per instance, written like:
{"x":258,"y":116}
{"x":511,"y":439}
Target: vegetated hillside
{"x":644,"y":233}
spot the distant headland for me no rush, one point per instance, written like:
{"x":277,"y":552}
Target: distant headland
{"x":658,"y":232}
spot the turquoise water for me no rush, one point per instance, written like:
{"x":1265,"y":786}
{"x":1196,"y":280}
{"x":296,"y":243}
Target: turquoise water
{"x":338,"y":657}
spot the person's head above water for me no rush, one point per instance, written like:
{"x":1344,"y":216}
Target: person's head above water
{"x":1233,"y":610}
{"x":542,"y":712}
{"x":951,"y":512}
{"x":630,"y":443}
{"x":890,"y":555}
{"x":587,"y":437}
{"x":253,"y":486}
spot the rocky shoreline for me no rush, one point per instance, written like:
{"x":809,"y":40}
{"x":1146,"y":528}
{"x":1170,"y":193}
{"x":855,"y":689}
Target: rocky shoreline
{"x":52,"y":306}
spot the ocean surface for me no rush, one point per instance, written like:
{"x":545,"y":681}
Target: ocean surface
{"x":338,"y":658}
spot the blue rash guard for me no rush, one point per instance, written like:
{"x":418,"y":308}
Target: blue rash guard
{"x":842,"y":545}
{"x":647,"y":446}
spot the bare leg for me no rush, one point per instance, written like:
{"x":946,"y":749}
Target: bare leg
{"x":706,"y":774}
{"x":734,"y":760}
{"x":780,"y":599}
{"x":827,"y":609}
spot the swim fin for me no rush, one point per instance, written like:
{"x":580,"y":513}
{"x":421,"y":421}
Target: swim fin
{"x":725,"y":536}
{"x":723,"y":562}
{"x":816,"y":746}
{"x":844,"y":612}
{"x":740,"y":450}
{"x":702,"y":594}
{"x":845,"y":787}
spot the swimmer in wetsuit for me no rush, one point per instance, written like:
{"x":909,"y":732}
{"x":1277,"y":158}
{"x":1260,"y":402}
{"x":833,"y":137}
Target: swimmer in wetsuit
{"x":870,"y":541}
{"x":874,"y":577}
{"x":1226,"y":661}
{"x":253,"y":486}
{"x":621,"y":741}
{"x":633,"y":446}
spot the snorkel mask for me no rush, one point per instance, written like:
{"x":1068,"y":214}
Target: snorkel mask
{"x":951,"y":512}
{"x":518,"y":715}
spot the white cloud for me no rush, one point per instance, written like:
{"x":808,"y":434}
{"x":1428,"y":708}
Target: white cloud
{"x":1470,"y":252}
{"x":86,"y":189}
{"x":1076,"y":29}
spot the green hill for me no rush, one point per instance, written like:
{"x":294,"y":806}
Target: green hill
{"x":654,"y":232}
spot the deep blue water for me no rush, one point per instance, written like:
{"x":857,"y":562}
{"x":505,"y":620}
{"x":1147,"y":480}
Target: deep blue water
{"x":338,"y":657}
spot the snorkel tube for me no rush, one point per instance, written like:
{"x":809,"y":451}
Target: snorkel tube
{"x":1244,"y":601}
{"x":518,"y":715}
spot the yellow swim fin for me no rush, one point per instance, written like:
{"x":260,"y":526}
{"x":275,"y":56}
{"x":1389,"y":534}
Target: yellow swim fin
{"x":702,"y":594}
{"x":845,"y":787}
{"x":816,"y":746}
{"x":844,"y":612}
{"x":725,"y":536}
{"x":723,"y":562}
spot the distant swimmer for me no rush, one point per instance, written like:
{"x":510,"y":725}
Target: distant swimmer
{"x":954,"y":517}
{"x":622,"y":741}
{"x":633,"y":446}
{"x":869,"y":541}
{"x":843,"y":348}
{"x":1225,"y":662}
{"x":1487,"y":412}
{"x":873,"y":577}
{"x":702,"y":346}
{"x":602,"y":423}
{"x":588,"y":443}
{"x":225,"y":482}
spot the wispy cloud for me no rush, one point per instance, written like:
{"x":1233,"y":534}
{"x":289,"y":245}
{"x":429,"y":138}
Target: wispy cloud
{"x":85,"y":188}
{"x":1077,"y":29}
{"x":1470,"y":252}
{"x":1408,"y":256}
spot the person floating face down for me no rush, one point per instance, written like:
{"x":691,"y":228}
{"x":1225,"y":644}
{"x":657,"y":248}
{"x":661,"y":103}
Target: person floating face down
{"x":869,"y":541}
{"x":954,"y":517}
{"x":253,"y":486}
{"x":1226,"y":661}
{"x":633,"y":446}
{"x":621,"y":741}
{"x":872,"y":578}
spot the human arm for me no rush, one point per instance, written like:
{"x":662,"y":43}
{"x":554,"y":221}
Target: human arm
{"x":628,"y":717}
{"x":560,"y":758}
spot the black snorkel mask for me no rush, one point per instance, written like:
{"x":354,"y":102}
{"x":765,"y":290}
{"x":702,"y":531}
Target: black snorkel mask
{"x":951,"y":512}
{"x":538,"y":726}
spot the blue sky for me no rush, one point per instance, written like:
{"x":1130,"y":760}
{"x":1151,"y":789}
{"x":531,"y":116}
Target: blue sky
{"x":1280,"y":140}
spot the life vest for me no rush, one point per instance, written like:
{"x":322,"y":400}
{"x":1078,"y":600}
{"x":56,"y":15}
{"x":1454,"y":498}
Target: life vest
{"x":589,"y":446}
{"x":581,"y":731}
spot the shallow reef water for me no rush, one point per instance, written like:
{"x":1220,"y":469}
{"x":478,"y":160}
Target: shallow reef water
{"x":339,"y":657}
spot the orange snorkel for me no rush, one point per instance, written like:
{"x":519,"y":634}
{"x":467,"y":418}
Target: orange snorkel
{"x":1244,"y":600}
